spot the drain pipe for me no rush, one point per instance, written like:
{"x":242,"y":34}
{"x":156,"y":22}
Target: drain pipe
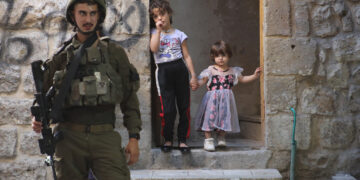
{"x":293,"y":148}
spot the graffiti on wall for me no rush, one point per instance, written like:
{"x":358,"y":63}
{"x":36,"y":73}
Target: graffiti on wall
{"x":9,"y":25}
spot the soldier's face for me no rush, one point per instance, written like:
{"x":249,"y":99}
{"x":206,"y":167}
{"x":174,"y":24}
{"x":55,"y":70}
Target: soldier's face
{"x":86,"y":16}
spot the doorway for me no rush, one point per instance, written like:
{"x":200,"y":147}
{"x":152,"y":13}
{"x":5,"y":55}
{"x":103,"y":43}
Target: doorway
{"x":236,"y":22}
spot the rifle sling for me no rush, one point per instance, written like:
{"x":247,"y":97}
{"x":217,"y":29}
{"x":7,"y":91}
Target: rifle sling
{"x":56,"y":110}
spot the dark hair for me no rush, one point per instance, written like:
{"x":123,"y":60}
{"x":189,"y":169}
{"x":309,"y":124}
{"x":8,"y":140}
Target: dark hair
{"x":163,"y":5}
{"x":102,"y":11}
{"x":220,"y":48}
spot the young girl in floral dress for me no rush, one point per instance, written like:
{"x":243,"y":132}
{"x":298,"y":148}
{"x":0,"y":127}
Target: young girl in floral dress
{"x":217,"y":111}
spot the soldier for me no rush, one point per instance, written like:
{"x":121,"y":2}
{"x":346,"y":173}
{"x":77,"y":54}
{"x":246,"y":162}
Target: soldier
{"x":103,"y":79}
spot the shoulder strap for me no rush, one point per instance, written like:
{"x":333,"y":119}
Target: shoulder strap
{"x":64,"y":45}
{"x":56,"y":110}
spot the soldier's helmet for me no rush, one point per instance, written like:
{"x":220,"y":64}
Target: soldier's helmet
{"x":70,"y":8}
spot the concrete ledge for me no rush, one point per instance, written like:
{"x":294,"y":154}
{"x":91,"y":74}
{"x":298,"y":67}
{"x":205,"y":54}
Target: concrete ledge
{"x":200,"y":159}
{"x":243,"y":174}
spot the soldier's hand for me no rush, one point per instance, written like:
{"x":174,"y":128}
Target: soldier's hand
{"x":132,"y":149}
{"x":36,"y":125}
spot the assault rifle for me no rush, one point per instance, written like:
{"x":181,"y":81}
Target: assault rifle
{"x":41,"y":112}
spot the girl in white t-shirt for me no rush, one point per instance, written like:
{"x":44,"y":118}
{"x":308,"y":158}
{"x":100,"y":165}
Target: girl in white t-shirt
{"x":169,"y":47}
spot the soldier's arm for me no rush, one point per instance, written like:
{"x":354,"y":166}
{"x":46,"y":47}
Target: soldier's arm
{"x":130,"y":103}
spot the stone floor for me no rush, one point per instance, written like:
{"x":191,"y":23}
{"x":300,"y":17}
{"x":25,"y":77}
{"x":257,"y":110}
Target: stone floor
{"x":199,"y":174}
{"x":232,"y":143}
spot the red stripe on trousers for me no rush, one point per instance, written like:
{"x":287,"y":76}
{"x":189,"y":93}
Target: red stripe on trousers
{"x":162,"y":116}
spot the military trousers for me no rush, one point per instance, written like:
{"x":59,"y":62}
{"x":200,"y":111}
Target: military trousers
{"x":78,"y":152}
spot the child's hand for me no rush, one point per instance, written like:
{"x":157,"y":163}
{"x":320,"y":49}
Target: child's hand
{"x":159,"y":25}
{"x":194,"y":84}
{"x":257,"y":72}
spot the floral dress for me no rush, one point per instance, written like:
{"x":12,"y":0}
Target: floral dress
{"x":218,"y":109}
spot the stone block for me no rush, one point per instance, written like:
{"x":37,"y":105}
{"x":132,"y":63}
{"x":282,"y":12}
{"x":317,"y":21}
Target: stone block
{"x":266,"y":173}
{"x":9,"y":78}
{"x":277,"y":18}
{"x":28,"y":81}
{"x":337,"y":74}
{"x":302,"y":23}
{"x":34,"y":11}
{"x":140,"y":56}
{"x":341,"y":176}
{"x":355,"y":73}
{"x":29,"y":143}
{"x":346,"y":47}
{"x":279,"y":133}
{"x":323,"y":21}
{"x":8,"y":141}
{"x":290,"y":56}
{"x":15,"y":111}
{"x":347,"y":24}
{"x":357,"y":124}
{"x":336,"y":133}
{"x":280,"y":93}
{"x":315,"y":164}
{"x":357,"y":15}
{"x":280,"y":160}
{"x":26,"y":46}
{"x":354,"y":97}
{"x":24,"y":169}
{"x":127,"y":17}
{"x":318,"y":100}
{"x":349,"y":160}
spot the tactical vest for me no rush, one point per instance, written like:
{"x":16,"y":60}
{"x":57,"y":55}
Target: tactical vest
{"x":96,"y":82}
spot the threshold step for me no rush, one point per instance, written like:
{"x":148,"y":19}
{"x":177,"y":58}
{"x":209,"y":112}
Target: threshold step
{"x":214,"y":174}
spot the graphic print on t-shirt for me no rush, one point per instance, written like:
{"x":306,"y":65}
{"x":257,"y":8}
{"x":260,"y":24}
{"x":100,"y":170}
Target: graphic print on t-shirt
{"x":167,"y":46}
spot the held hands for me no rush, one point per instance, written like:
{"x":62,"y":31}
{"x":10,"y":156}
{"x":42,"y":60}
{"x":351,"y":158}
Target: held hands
{"x":132,"y":151}
{"x":194,"y":83}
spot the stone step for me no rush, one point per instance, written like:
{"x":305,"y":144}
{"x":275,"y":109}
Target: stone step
{"x":198,"y":174}
{"x":229,"y":158}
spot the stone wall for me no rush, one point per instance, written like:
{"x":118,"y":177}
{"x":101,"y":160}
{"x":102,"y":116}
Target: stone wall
{"x":33,"y":30}
{"x":312,"y":63}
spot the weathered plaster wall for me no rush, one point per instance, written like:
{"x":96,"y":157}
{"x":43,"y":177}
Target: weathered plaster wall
{"x":311,"y":59}
{"x":32,"y":30}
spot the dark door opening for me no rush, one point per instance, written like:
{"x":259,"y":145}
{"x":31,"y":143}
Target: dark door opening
{"x":236,"y":22}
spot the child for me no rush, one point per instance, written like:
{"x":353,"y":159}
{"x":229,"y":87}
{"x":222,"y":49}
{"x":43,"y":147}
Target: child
{"x":217,"y":111}
{"x":172,"y":74}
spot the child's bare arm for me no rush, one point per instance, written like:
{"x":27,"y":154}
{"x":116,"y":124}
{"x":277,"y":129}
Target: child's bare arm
{"x":155,"y":38}
{"x":203,"y":81}
{"x":193,"y":82}
{"x":246,"y":79}
{"x":155,"y":41}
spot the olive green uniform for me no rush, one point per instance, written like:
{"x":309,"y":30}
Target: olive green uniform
{"x":104,"y":78}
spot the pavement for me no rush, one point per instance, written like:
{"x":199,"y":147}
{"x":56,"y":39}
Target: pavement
{"x":212,"y":174}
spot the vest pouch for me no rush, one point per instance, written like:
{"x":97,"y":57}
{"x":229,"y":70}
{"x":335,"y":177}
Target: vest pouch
{"x":75,"y":97}
{"x":93,"y":55}
{"x":57,"y":79}
{"x":87,"y":89}
{"x":114,"y":93}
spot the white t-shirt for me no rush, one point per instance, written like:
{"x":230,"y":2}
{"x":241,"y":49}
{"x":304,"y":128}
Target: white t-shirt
{"x":170,"y":46}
